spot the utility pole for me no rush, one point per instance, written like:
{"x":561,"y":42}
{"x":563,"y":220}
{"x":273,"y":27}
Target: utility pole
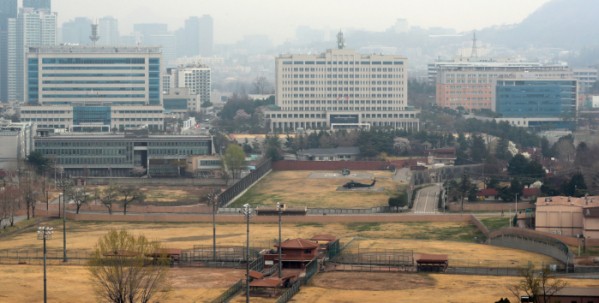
{"x":280,"y":209}
{"x":45,"y":233}
{"x":247,"y":211}
{"x":64,"y":183}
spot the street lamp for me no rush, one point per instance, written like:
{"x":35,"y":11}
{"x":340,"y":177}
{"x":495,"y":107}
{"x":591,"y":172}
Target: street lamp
{"x":45,"y":233}
{"x":64,"y":183}
{"x":247,"y":211}
{"x":214,"y":198}
{"x":280,"y":209}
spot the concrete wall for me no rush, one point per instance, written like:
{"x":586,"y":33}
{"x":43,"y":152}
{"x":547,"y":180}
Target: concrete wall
{"x":134,"y":208}
{"x":564,"y":219}
{"x":338,"y":165}
{"x":491,"y":206}
{"x":160,"y":181}
{"x":565,"y":239}
{"x":533,"y":246}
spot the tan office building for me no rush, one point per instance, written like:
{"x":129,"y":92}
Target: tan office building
{"x":568,"y":216}
{"x":342,"y":89}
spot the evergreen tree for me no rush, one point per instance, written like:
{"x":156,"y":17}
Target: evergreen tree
{"x":517,"y":165}
{"x":478,"y":151}
{"x":502,"y":152}
{"x":462,"y":141}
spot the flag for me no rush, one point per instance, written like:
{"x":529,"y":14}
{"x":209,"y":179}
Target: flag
{"x":337,"y":98}
{"x":347,"y":98}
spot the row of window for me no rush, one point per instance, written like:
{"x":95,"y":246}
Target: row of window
{"x":343,"y":102}
{"x":94,"y":75}
{"x":94,"y":95}
{"x":299,"y":116}
{"x":335,"y":76}
{"x":88,"y":89}
{"x":345,"y":96}
{"x":95,"y":82}
{"x":175,"y":151}
{"x":94,"y":60}
{"x":351,"y":89}
{"x":344,"y":62}
{"x":351,"y":69}
{"x":92,"y":67}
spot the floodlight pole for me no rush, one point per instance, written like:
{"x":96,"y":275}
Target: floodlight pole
{"x":247,"y":211}
{"x":214,"y":226}
{"x":280,"y":260}
{"x":44,"y":233}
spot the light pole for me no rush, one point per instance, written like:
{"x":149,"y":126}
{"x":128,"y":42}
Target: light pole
{"x":247,"y":211}
{"x":45,"y":233}
{"x":64,"y":183}
{"x":214,"y":199}
{"x":280,"y":209}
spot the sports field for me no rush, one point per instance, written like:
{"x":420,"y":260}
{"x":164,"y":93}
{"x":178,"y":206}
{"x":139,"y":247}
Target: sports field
{"x":422,"y":237}
{"x":23,"y":284}
{"x":336,"y":287}
{"x":295,"y":188}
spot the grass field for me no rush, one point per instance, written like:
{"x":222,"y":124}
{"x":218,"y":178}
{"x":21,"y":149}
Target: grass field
{"x":295,"y":188}
{"x":23,"y":284}
{"x":338,"y":287}
{"x":422,"y":237}
{"x":169,"y":194}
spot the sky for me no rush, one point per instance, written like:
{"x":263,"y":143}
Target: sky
{"x":278,"y":19}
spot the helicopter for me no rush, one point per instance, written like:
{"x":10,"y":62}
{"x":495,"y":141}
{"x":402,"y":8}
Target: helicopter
{"x":354,"y":184}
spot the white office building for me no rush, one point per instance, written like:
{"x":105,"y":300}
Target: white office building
{"x":586,"y":78}
{"x":195,"y":76}
{"x":16,"y":143}
{"x":341,"y":88}
{"x":109,"y":31}
{"x":94,"y":86}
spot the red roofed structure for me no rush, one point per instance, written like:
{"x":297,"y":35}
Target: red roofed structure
{"x":488,"y":194}
{"x":295,"y":253}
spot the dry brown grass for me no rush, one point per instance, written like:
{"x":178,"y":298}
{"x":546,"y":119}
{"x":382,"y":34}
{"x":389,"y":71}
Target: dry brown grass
{"x":295,"y":188}
{"x":169,"y":194}
{"x":23,"y":284}
{"x":444,"y":288}
{"x":82,"y":235}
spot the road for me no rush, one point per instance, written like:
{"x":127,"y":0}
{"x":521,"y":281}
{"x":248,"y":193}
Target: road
{"x":427,"y":200}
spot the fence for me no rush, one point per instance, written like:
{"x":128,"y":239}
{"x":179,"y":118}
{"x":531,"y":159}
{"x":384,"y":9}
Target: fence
{"x":311,"y":269}
{"x":226,"y":256}
{"x":243,"y":184}
{"x":352,"y":254}
{"x":480,"y":225}
{"x":490,"y":206}
{"x":438,"y":175}
{"x":224,"y":297}
{"x":36,"y":257}
{"x":338,"y":165}
{"x":373,"y":210}
{"x":334,"y":249}
{"x":287,"y":295}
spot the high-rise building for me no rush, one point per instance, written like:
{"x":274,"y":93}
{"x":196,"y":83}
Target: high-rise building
{"x":586,"y":78}
{"x":32,"y":27}
{"x":8,"y":10}
{"x":192,"y":37}
{"x":341,"y":88}
{"x":467,"y":82}
{"x":38,"y":4}
{"x":206,"y":36}
{"x":76,"y":31}
{"x":196,"y":77}
{"x":109,"y":31}
{"x":95,"y":86}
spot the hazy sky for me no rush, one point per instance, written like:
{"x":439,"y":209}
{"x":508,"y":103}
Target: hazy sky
{"x":279,"y":19}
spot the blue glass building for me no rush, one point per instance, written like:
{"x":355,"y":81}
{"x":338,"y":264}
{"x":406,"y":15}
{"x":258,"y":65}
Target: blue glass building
{"x":534,"y":97}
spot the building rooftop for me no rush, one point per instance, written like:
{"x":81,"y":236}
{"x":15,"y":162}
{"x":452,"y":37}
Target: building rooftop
{"x":579,"y":292}
{"x":89,"y":49}
{"x":298,"y":243}
{"x":329,"y":151}
{"x":567,"y":201}
{"x":324,"y":237}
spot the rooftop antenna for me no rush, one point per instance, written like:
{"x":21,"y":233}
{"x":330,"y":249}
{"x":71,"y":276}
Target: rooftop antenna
{"x":94,"y":37}
{"x":474,"y":53}
{"x":340,"y":41}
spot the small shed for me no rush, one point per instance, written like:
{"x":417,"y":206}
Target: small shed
{"x":432,"y":263}
{"x":323,"y":241}
{"x":268,"y":287}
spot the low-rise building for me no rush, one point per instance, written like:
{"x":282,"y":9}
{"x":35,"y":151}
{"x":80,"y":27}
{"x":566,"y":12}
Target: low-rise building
{"x":180,"y":101}
{"x":123,"y":155}
{"x":205,"y":166}
{"x":488,"y":194}
{"x":329,"y":154}
{"x":16,"y":142}
{"x":569,"y":216}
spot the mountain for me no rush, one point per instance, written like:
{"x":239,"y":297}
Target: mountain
{"x":568,"y":24}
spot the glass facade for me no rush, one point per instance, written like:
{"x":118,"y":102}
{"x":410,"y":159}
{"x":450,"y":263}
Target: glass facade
{"x":33,"y":80}
{"x":177,"y":104}
{"x":535,"y":98}
{"x":99,"y":114}
{"x":155,"y":81}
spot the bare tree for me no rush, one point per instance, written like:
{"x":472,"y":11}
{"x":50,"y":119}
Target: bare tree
{"x":129,"y":269}
{"x":539,"y":284}
{"x":130,"y":195}
{"x":108,"y":196}
{"x":260,"y":83}
{"x":30,"y":186}
{"x":11,"y":202}
{"x":80,"y":195}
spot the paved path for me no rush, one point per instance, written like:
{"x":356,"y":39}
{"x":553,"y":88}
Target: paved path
{"x":427,"y":200}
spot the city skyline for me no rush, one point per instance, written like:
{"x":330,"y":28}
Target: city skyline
{"x":281,"y":23}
